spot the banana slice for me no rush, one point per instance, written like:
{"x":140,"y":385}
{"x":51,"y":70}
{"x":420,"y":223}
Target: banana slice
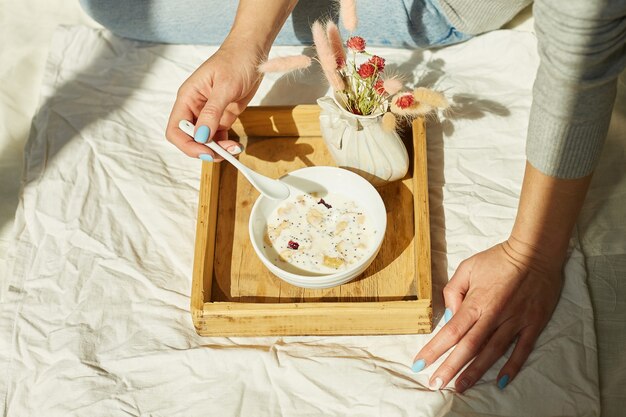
{"x":314,"y":217}
{"x":341,"y":226}
{"x":273,"y":233}
{"x":285,"y":255}
{"x":333,"y":262}
{"x":286,"y":209}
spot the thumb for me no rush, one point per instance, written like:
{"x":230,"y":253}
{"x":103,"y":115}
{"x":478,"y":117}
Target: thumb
{"x":454,"y":292}
{"x":208,"y":121}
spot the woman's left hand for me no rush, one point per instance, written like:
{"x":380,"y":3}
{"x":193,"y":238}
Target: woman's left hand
{"x":501,"y":296}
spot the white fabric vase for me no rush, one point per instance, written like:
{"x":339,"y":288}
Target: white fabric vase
{"x":360,"y":144}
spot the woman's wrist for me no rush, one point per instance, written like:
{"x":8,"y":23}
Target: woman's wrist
{"x":547,"y":212}
{"x":527,"y":255}
{"x":241,"y":56}
{"x":246,"y":43}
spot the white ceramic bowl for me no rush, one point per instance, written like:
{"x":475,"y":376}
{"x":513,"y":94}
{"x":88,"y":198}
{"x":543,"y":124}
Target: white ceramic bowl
{"x":323,"y":180}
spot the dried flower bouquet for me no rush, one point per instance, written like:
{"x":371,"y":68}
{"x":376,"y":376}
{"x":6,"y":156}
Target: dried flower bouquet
{"x":357,"y":77}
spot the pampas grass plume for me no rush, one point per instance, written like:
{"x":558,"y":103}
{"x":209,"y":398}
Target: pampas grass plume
{"x":431,"y":97}
{"x":389,"y":122}
{"x":336,"y":43}
{"x":347,"y":13}
{"x":285,"y":64}
{"x":392,"y":85}
{"x":326,"y":56}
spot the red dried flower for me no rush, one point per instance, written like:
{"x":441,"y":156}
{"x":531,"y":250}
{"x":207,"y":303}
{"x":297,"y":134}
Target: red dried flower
{"x":405,"y":101}
{"x":293,"y":245}
{"x":366,"y":70}
{"x":340,"y":62}
{"x":356,"y":43}
{"x":378,"y":62}
{"x":379,"y":87}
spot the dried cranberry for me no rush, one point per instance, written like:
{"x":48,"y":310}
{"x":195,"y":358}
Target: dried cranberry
{"x":324,"y":203}
{"x":293,"y":245}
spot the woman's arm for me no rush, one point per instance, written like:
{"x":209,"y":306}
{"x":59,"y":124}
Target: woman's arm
{"x":258,"y":22}
{"x":510,"y":290}
{"x":221,"y":88}
{"x":507,"y":293}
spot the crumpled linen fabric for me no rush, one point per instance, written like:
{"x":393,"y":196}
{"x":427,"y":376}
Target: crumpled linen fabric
{"x":94,"y":316}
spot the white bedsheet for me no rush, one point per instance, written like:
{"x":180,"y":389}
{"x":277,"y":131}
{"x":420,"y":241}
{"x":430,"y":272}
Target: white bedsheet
{"x":94,"y":318}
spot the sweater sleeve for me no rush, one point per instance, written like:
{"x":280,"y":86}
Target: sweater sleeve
{"x":582,"y":48}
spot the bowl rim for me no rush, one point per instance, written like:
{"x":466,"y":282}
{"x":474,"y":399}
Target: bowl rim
{"x":339,"y":277}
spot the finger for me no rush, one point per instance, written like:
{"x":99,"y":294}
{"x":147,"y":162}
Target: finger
{"x":208,"y":122}
{"x":180,"y":139}
{"x":447,"y":337}
{"x":466,"y":349}
{"x":525,"y":344}
{"x":493,"y":350}
{"x":454,"y":292}
{"x":228,"y":117}
{"x":232,"y":147}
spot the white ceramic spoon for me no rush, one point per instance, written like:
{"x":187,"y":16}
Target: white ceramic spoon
{"x":273,"y":189}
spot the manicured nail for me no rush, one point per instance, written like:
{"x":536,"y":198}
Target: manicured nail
{"x":202,"y":134}
{"x":418,"y":365}
{"x":436,"y":384}
{"x":503,"y":381}
{"x":206,"y":157}
{"x":447,"y":315}
{"x":234,"y":150}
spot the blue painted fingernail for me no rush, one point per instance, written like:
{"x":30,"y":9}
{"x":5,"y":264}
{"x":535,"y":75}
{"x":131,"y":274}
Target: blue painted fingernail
{"x":418,"y":365}
{"x":206,"y":157}
{"x":503,"y":381}
{"x":447,"y":315}
{"x":202,"y":134}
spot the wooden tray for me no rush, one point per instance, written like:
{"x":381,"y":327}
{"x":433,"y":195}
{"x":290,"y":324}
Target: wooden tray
{"x":233,"y":294}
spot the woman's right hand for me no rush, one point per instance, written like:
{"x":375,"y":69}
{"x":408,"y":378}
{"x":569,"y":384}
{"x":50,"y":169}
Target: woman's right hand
{"x":214,"y":96}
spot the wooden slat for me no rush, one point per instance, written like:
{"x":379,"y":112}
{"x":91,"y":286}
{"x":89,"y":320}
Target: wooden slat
{"x":397,"y":255}
{"x":301,"y":120}
{"x":205,"y":236}
{"x":243,"y":319}
{"x":421,"y":211}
